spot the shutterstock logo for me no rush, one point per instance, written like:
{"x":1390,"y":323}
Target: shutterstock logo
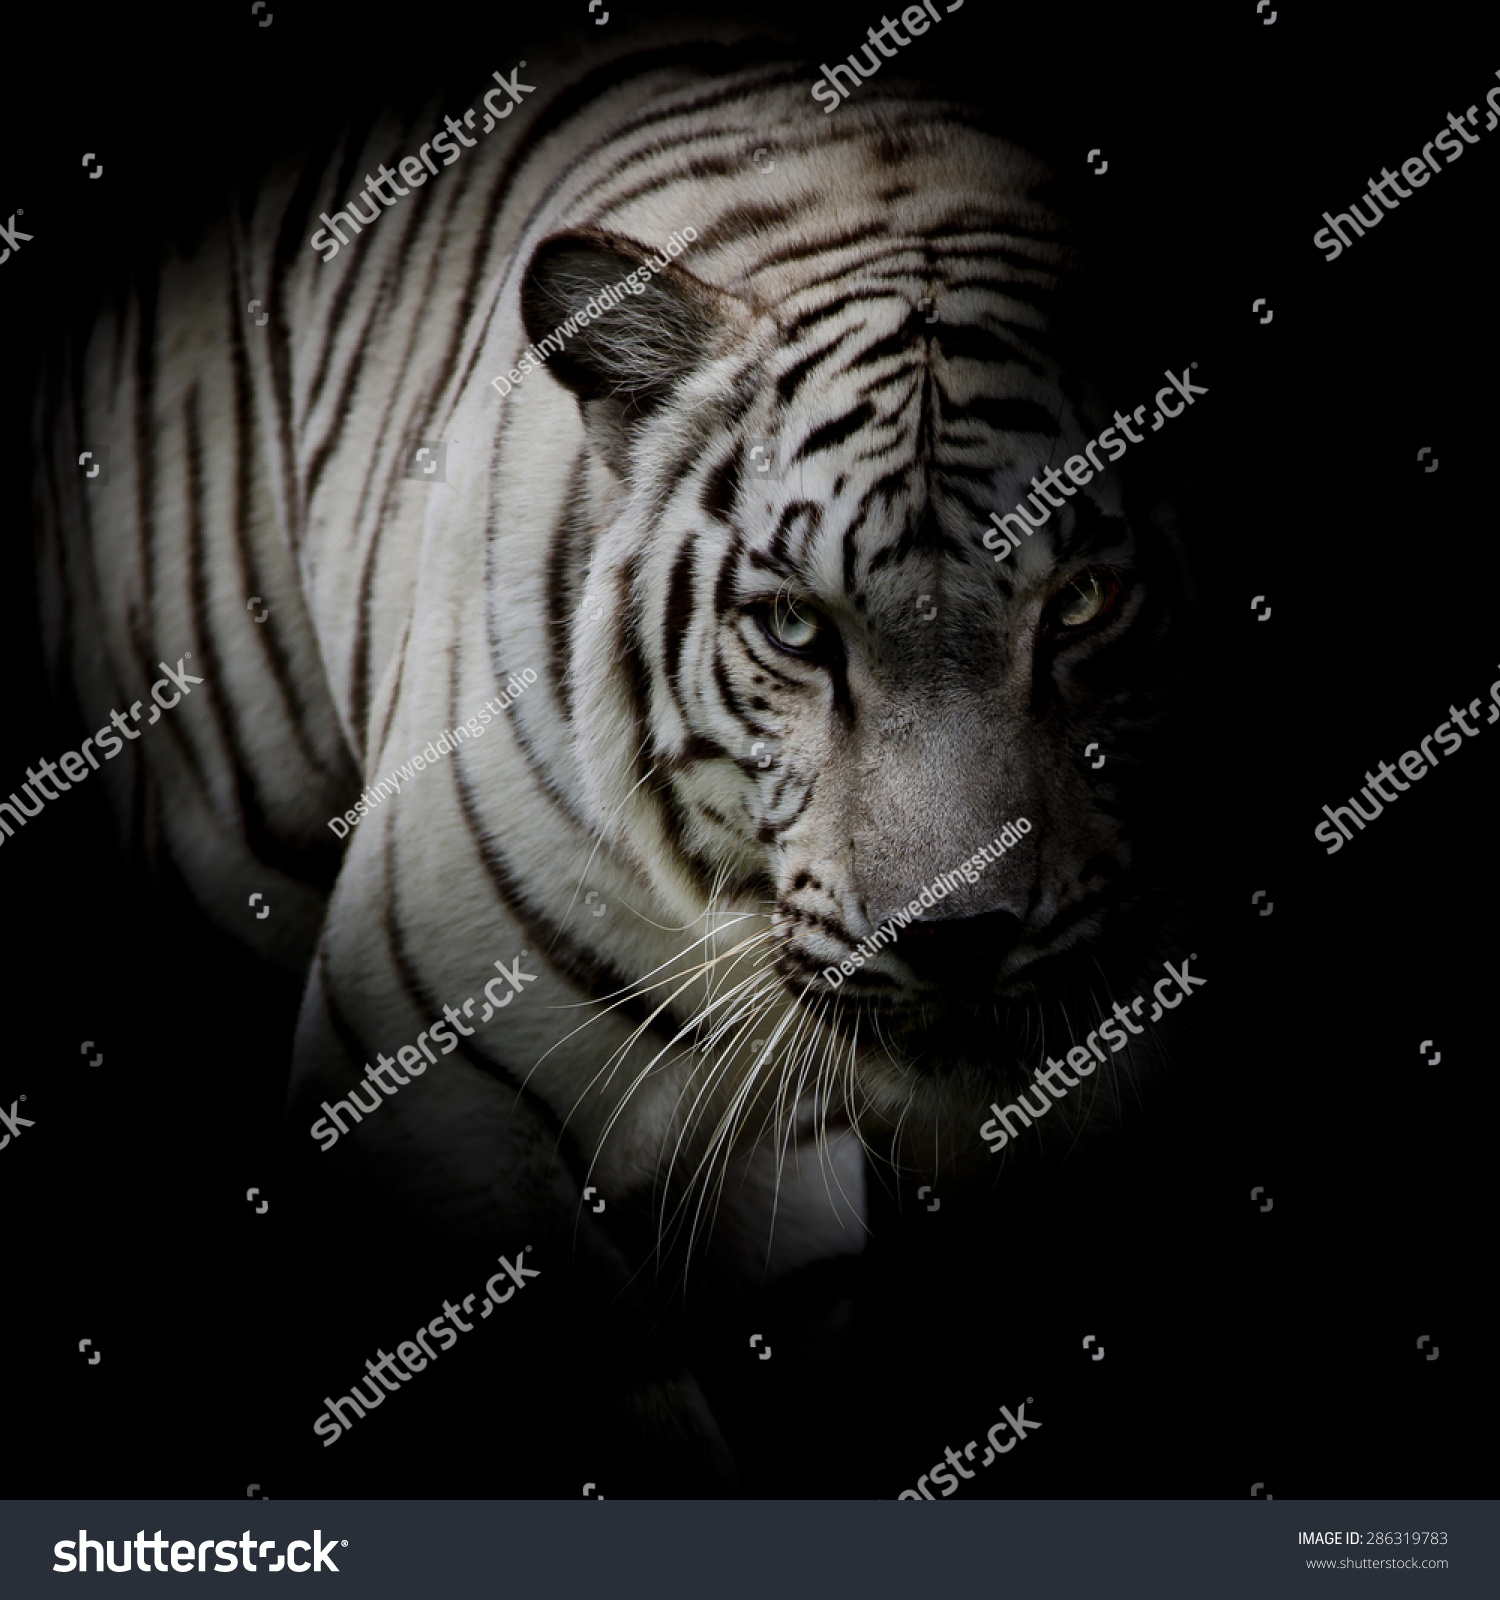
{"x":184,"y":1552}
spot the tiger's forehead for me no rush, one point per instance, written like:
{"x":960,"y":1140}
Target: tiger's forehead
{"x":875,"y":552}
{"x":887,"y":436}
{"x":957,"y":385}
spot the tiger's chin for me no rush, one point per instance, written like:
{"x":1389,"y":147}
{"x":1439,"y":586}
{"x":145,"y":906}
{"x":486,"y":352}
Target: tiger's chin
{"x":930,"y":1061}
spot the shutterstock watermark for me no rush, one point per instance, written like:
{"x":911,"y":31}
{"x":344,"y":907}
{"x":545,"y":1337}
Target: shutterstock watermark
{"x":111,"y":743}
{"x":1084,"y":1058}
{"x":15,"y":1122}
{"x":968,"y":872}
{"x":917,"y":24}
{"x":410,"y":1056}
{"x":412,"y":168}
{"x":12,"y":235}
{"x":190,"y":1556}
{"x":1077,"y":468}
{"x":411,"y":1358}
{"x":632,"y":283}
{"x":1386,"y":191}
{"x":1016,"y":1421}
{"x":1335,"y":831}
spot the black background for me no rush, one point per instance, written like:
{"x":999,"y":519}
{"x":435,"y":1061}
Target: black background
{"x":1241,"y":1346}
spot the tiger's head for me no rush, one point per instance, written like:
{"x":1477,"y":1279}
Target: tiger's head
{"x":821,"y":691}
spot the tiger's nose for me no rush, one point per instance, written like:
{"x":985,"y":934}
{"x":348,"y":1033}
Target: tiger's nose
{"x":959,"y":950}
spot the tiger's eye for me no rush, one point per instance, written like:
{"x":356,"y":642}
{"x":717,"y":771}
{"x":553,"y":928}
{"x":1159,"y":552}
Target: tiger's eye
{"x":794,"y":625}
{"x":1082,"y":602}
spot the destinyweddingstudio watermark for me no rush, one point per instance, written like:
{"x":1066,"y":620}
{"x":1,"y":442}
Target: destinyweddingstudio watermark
{"x":939,"y":890}
{"x":450,"y":739}
{"x":606,"y":300}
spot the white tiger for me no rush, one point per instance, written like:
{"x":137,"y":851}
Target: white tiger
{"x":732,"y":523}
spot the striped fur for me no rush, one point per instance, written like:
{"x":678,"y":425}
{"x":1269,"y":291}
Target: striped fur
{"x":607,"y":526}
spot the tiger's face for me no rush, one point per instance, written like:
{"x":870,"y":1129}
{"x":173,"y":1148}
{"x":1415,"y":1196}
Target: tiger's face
{"x":825,"y":694}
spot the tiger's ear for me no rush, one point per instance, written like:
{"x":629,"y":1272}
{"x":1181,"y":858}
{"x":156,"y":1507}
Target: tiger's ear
{"x":624,"y":352}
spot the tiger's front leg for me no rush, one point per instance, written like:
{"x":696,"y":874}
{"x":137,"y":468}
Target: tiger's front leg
{"x":413,"y":1123}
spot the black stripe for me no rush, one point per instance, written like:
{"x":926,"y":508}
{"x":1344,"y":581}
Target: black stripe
{"x":495,"y":593}
{"x":204,"y":636}
{"x":318,"y":864}
{"x":425,"y":1001}
{"x":370,"y":747}
{"x":817,"y":919}
{"x":724,"y":584}
{"x":289,"y":243}
{"x":722,"y":486}
{"x":808,"y":319}
{"x":805,"y":249}
{"x":855,"y":524}
{"x":771,"y":669}
{"x":762,"y":561}
{"x":351,"y":158}
{"x":342,"y":411}
{"x":770,"y":832}
{"x":705,"y":59}
{"x":832,"y":434}
{"x":678,"y":615}
{"x":359,"y":659}
{"x":1011,"y":415}
{"x":145,"y":438}
{"x":561,"y":597}
{"x":807,"y":512}
{"x":909,"y":378}
{"x":696,"y":749}
{"x":637,"y":675}
{"x":296,"y":707}
{"x":745,"y":219}
{"x":898,"y":343}
{"x":791,"y":380}
{"x":731,"y":700}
